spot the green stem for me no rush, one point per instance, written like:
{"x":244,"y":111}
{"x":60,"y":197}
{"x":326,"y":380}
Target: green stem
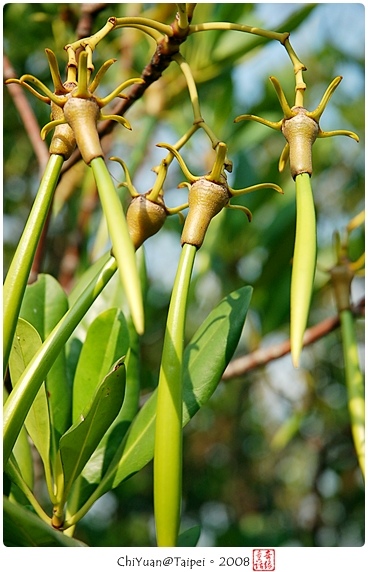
{"x":23,"y":394}
{"x":12,"y":470}
{"x":168,"y":435}
{"x":281,"y":37}
{"x":183,"y":16}
{"x":123,"y":248}
{"x":304,"y":264}
{"x":20,"y":267}
{"x":192,"y":88}
{"x":354,"y":384}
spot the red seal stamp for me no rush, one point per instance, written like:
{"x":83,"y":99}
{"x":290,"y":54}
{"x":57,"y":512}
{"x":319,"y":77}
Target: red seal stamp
{"x":263,"y":559}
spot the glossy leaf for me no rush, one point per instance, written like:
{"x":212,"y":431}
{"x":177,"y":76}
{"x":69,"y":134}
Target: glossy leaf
{"x":23,"y":528}
{"x":79,"y":442}
{"x":107,"y":339}
{"x":26,"y":342}
{"x":22,"y":452}
{"x":44,"y":304}
{"x":189,"y":538}
{"x":87,"y":276}
{"x":205,"y":359}
{"x":21,"y":398}
{"x":23,"y":455}
{"x":21,"y":493}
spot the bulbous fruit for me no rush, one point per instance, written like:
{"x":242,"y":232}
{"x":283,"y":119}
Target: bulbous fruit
{"x":341,"y":278}
{"x":300,"y":131}
{"x":82,"y":115}
{"x":63,"y":141}
{"x":145,"y":218}
{"x":206,"y":199}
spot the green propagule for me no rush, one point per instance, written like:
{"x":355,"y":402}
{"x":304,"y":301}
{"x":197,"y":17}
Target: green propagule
{"x":341,"y":275}
{"x":301,"y":129}
{"x":75,"y":111}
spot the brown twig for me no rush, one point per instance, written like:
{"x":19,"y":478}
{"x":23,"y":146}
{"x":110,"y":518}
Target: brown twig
{"x":89,"y":11}
{"x":26,"y":113}
{"x":263,"y":356}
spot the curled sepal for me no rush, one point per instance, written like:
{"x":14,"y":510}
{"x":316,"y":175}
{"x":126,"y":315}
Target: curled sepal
{"x":351,"y":134}
{"x":257,"y":187}
{"x":50,"y":126}
{"x":316,"y":114}
{"x":250,"y":117}
{"x":285,"y":153}
{"x":245,"y":210}
{"x":118,"y":118}
{"x":117,"y":91}
{"x":59,"y":87}
{"x":34,"y":92}
{"x":128,"y":183}
{"x":300,"y":128}
{"x":180,"y":160}
{"x":100,"y":74}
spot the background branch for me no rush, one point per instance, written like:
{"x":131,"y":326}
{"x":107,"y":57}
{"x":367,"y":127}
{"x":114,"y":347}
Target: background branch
{"x":26,"y":113}
{"x":263,"y":356}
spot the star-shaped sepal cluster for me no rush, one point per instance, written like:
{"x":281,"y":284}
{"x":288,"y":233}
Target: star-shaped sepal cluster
{"x":147,"y":213}
{"x":74,"y":103}
{"x":300,"y":128}
{"x":209,"y":194}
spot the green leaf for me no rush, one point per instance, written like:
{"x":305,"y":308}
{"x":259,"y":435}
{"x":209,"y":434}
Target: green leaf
{"x":26,"y":342}
{"x":205,"y":359}
{"x":23,"y":455}
{"x":211,"y":349}
{"x":107,"y":339}
{"x":23,"y":528}
{"x":22,"y":397}
{"x":22,"y":452}
{"x":79,"y":442}
{"x":106,"y":449}
{"x":21,"y":493}
{"x":87,"y":276}
{"x":189,"y":538}
{"x":44,"y":304}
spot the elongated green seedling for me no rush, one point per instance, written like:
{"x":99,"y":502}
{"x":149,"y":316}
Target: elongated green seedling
{"x":168,"y":432}
{"x":304,"y":264}
{"x":20,"y":267}
{"x":123,"y":249}
{"x":354,"y":384}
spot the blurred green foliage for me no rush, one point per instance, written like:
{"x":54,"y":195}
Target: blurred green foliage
{"x":270,"y":460}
